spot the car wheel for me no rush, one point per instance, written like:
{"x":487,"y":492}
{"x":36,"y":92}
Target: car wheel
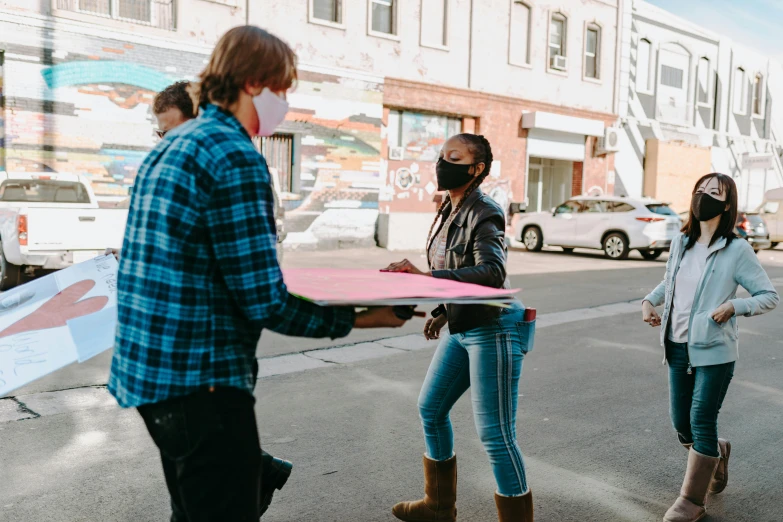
{"x":616,"y":246}
{"x":651,"y":255}
{"x":568,"y":250}
{"x":532,"y":239}
{"x":9,"y":274}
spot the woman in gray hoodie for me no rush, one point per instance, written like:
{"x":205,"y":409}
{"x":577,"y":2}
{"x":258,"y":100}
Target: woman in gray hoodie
{"x":707,"y":264}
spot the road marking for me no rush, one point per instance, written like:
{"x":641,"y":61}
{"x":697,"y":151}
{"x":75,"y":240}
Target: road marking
{"x":25,"y":407}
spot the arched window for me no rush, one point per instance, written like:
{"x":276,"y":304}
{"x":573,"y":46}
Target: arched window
{"x":519,"y":46}
{"x":558,"y":37}
{"x":758,"y":95}
{"x":592,"y":65}
{"x":643,"y":63}
{"x":703,"y":89}
{"x":740,"y":91}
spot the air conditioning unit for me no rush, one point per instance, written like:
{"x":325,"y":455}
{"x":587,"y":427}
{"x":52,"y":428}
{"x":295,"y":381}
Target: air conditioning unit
{"x":396,"y":153}
{"x":609,"y":143}
{"x":560,"y":63}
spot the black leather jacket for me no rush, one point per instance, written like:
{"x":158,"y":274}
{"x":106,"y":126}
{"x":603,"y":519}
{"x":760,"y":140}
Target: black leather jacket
{"x":475,"y":253}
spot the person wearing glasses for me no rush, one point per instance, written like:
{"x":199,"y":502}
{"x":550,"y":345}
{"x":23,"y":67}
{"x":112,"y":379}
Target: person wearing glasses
{"x":172,"y":107}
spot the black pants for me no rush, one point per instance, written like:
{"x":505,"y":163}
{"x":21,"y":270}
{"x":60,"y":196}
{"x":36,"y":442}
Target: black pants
{"x":211,"y":454}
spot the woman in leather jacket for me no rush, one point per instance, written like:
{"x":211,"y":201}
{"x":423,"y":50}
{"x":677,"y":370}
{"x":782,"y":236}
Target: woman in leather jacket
{"x":485,"y":345}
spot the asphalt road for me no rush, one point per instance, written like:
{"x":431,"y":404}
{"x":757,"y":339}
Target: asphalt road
{"x":593,"y":423}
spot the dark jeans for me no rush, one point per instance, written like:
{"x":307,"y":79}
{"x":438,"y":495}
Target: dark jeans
{"x":696,"y":398}
{"x":211,"y":454}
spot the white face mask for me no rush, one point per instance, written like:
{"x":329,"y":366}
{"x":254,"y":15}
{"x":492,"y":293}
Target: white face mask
{"x":271,"y":110}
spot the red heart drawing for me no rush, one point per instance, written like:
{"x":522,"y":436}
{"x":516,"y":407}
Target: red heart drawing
{"x":59,"y":309}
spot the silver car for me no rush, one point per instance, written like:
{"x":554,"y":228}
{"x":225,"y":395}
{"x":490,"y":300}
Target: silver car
{"x":615,"y":225}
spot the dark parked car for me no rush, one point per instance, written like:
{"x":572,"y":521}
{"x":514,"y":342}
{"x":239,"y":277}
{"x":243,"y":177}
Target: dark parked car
{"x":752,"y":228}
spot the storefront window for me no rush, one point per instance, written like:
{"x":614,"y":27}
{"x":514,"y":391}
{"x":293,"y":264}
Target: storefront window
{"x":421,"y":136}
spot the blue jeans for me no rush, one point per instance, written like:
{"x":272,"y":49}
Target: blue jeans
{"x":489,"y":359}
{"x":696,"y":398}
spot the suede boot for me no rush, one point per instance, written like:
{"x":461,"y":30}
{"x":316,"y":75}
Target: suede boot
{"x":689,"y":507}
{"x":515,"y":509}
{"x":440,"y":495}
{"x":721,"y":478}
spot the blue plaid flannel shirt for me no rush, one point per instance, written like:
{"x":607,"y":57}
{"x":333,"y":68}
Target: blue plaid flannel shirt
{"x":199,"y":277}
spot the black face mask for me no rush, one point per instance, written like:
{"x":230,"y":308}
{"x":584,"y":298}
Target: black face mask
{"x":706,"y":207}
{"x":452,"y":175}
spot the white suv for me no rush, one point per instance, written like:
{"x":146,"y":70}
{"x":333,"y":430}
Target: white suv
{"x":612,"y":224}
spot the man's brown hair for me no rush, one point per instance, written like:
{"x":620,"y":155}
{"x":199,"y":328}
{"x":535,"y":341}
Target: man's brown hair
{"x":246,"y":54}
{"x":176,"y":96}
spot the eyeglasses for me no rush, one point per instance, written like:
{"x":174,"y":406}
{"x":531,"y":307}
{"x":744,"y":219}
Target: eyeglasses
{"x":160,"y":133}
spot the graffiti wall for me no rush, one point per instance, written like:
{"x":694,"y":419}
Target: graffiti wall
{"x":336,"y":123}
{"x":82,"y":104}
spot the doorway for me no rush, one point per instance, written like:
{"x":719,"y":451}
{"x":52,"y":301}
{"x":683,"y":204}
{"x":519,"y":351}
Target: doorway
{"x":548,"y":183}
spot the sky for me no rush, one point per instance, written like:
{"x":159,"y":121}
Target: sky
{"x":757,"y":24}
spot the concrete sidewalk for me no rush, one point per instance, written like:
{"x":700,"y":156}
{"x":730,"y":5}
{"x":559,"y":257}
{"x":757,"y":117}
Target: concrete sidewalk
{"x":593,"y":425}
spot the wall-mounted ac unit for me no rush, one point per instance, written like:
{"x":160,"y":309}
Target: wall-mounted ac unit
{"x":396,"y":153}
{"x":609,"y":143}
{"x":560,"y":63}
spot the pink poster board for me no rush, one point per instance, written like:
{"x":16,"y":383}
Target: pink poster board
{"x":334,"y":286}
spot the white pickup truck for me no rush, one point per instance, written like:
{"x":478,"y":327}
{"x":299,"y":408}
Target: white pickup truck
{"x":50,"y":221}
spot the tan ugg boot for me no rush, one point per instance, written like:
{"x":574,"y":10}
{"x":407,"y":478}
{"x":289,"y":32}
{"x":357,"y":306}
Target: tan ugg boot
{"x":689,"y":507}
{"x":721,"y":478}
{"x":515,"y":509}
{"x":440,"y":494}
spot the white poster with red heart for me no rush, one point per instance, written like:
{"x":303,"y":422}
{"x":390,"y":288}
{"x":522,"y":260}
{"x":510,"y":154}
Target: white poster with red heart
{"x":57,"y":320}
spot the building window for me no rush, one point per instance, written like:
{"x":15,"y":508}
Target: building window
{"x":327,"y":11}
{"x":557,"y":42}
{"x":643,"y":62}
{"x":703,"y":94}
{"x":419,"y":136}
{"x":740,"y":91}
{"x":592,"y":63}
{"x":519,"y":46}
{"x":156,"y":13}
{"x":383,"y":16}
{"x":671,"y":76}
{"x":758,"y":93}
{"x":434,"y":23}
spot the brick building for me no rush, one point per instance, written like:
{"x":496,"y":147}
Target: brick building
{"x":382,"y":84}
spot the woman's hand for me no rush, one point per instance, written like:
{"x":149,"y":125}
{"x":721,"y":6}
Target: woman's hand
{"x":723,"y":313}
{"x":378,"y":317}
{"x":113,"y":252}
{"x":433,"y":327}
{"x":649,"y":315}
{"x":405,"y":266}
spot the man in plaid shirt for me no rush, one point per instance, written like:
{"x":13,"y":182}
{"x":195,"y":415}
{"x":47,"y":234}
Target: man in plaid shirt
{"x":199,"y":280}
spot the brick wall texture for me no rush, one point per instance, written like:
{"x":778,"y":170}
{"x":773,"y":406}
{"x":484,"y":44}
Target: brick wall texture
{"x":499,"y":119}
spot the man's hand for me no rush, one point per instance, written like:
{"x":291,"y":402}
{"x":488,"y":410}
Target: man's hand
{"x":649,"y":315}
{"x":380,"y":317}
{"x":433,"y":327}
{"x":114,"y":252}
{"x":723,"y":313}
{"x":406,"y":267}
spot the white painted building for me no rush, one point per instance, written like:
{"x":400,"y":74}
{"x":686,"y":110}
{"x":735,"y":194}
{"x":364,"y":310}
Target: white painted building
{"x":687,"y":90}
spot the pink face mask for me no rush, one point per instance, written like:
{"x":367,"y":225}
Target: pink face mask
{"x":271,"y":110}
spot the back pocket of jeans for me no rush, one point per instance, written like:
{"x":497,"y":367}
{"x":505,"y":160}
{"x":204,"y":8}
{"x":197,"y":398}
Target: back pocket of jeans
{"x":527,"y":335}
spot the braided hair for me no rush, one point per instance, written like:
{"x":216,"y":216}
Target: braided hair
{"x":479,"y":147}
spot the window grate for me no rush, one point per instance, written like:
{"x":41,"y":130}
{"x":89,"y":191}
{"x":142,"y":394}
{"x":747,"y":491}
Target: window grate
{"x":671,"y":76}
